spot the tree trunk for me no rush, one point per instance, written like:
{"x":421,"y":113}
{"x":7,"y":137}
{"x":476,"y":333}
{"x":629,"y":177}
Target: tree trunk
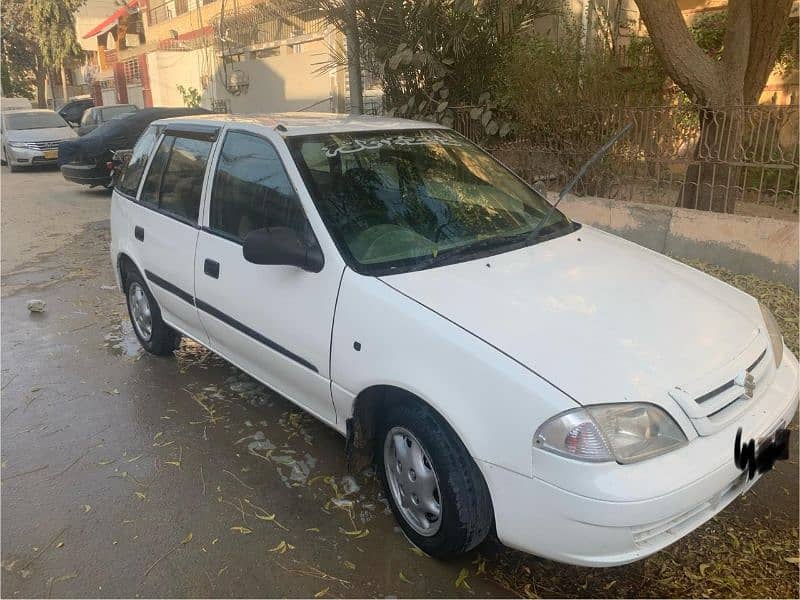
{"x":354,"y":60}
{"x":41,"y":90}
{"x":712,"y":178}
{"x":63,"y":85}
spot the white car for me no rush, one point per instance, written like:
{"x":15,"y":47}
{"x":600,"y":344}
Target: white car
{"x":30,"y":138}
{"x":576,"y":391}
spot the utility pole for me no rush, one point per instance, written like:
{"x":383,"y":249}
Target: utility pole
{"x":354,"y":59}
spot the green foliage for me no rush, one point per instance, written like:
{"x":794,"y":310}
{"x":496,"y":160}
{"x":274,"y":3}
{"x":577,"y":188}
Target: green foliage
{"x":53,"y":29}
{"x":436,"y":59}
{"x":17,"y":51}
{"x":190,"y":95}
{"x":709,"y":33}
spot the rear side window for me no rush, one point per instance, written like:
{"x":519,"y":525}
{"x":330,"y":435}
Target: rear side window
{"x":129,"y":182}
{"x":252,"y":190}
{"x":182,"y":183}
{"x":153,"y":181}
{"x":174,"y":182}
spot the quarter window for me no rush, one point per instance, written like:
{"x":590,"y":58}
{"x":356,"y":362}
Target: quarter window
{"x":252,"y":190}
{"x":174,"y":182}
{"x":153,"y":181}
{"x":129,"y":182}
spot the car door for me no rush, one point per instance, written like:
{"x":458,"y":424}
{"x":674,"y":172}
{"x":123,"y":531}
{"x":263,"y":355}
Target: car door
{"x":166,"y":223}
{"x":272,"y":320}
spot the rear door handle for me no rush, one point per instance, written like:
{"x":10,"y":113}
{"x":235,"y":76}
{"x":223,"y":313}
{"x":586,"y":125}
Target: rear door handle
{"x":138,"y":233}
{"x":211,"y":268}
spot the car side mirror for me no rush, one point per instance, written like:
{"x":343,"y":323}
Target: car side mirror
{"x":281,"y":246}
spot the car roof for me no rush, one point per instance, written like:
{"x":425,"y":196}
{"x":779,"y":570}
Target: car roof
{"x":34,"y":110}
{"x":307,"y":123}
{"x":30,"y":111}
{"x":114,"y":106}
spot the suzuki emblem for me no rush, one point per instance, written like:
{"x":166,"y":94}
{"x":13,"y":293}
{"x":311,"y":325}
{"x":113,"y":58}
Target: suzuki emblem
{"x":748,"y":382}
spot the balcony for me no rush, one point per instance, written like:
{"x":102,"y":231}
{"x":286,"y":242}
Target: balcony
{"x":170,"y":9}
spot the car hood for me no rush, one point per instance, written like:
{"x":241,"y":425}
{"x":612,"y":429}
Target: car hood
{"x":603,"y":319}
{"x":40,"y":135}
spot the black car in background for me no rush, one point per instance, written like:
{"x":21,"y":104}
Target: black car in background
{"x":73,"y":110}
{"x":87,"y":160}
{"x":95,"y":116}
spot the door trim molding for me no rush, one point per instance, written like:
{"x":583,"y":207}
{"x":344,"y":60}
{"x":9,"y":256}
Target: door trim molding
{"x":228,"y":320}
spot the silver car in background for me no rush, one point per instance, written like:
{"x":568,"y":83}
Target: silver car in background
{"x":31,"y":137}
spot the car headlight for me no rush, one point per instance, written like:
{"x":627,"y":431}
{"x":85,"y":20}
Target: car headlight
{"x":626,"y":432}
{"x":18,"y":144}
{"x":774,"y":332}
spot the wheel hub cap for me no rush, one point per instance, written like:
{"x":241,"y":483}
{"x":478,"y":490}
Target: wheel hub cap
{"x":140,"y":310}
{"x":412,"y":481}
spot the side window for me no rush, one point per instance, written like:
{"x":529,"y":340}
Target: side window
{"x":87,"y":117}
{"x":252,"y":190}
{"x":129,"y":182}
{"x":152,"y":183}
{"x":182,"y":183}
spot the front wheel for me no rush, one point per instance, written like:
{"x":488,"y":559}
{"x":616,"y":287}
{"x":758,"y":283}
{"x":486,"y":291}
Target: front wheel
{"x":435,"y":489}
{"x":154,"y":335}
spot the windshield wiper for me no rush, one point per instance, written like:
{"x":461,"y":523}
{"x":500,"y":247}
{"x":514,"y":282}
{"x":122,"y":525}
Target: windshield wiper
{"x":567,"y":188}
{"x":467,"y":249}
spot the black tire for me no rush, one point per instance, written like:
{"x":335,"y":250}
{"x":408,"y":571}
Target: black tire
{"x":163,"y":340}
{"x":466,"y":506}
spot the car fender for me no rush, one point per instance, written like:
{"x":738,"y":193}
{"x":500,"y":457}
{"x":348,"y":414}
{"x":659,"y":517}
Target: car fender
{"x":492,"y":402}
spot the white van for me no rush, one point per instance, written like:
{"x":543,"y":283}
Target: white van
{"x":15,"y":104}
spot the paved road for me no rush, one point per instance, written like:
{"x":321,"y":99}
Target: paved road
{"x":129,"y":475}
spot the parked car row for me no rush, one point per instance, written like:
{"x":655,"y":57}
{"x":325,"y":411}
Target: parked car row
{"x":87,"y":160}
{"x":80,"y":138}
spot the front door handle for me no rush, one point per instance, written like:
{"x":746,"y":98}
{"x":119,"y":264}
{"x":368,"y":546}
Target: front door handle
{"x":138,"y":233}
{"x":211,"y":268}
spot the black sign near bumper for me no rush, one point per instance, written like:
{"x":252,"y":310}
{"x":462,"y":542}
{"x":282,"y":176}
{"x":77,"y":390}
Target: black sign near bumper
{"x":759,"y":458}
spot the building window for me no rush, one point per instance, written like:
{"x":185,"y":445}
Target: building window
{"x":132,"y":74}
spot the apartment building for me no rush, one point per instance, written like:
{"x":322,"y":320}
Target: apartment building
{"x":241,"y":56}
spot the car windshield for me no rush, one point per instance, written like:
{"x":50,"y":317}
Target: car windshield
{"x":405,"y":200}
{"x":33,"y":120}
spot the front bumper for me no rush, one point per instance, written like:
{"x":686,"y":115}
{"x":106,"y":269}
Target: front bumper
{"x":639,"y":508}
{"x":27,"y":157}
{"x":86,"y":174}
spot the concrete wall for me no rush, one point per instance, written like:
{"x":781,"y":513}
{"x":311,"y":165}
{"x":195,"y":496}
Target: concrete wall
{"x":284,"y":82}
{"x":767,"y":248}
{"x":169,"y":69}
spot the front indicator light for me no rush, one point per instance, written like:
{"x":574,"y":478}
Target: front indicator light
{"x":774,"y":332}
{"x":625,"y":432}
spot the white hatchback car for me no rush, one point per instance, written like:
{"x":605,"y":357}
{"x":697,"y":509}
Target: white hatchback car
{"x":583,"y":395}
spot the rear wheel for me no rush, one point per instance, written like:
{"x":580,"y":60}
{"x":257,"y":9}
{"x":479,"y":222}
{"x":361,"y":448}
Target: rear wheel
{"x":154,"y":335}
{"x":435,"y":489}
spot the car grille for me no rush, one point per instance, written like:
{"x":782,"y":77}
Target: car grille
{"x":42,"y":146}
{"x":713,"y":403}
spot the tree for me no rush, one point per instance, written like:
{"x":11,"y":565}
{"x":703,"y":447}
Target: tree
{"x":720,"y":84}
{"x":434,"y":58}
{"x":52,"y":26}
{"x":18,"y":52}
